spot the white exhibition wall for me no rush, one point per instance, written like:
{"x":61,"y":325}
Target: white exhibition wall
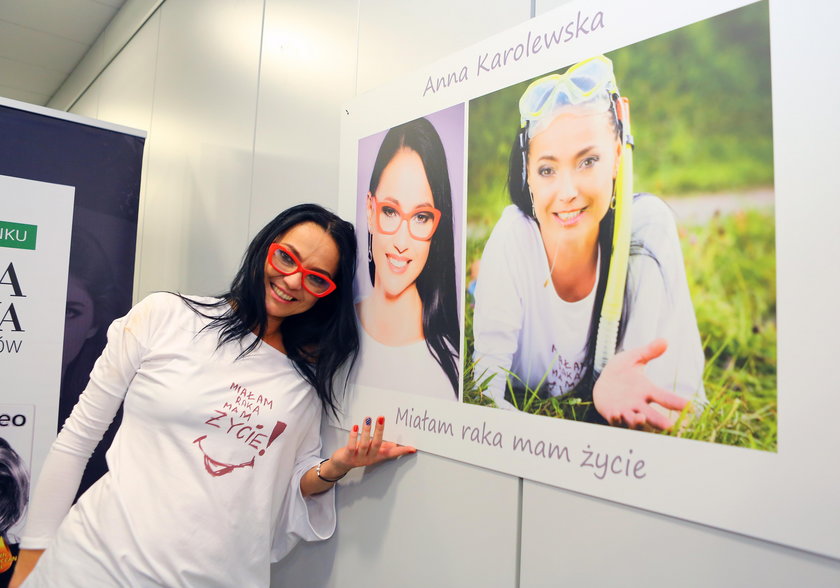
{"x":242,"y":102}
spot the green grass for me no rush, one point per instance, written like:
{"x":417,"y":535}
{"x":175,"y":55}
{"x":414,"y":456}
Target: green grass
{"x":731,"y":270}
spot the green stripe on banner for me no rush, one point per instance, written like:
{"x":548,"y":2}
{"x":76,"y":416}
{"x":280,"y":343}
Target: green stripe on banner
{"x":17,"y":235}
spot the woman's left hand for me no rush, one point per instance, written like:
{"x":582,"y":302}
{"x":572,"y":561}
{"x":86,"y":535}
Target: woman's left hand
{"x":362,"y":449}
{"x":624,"y":395}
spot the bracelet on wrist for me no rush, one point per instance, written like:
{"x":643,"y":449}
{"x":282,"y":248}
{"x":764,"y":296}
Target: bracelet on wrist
{"x":330,"y":480}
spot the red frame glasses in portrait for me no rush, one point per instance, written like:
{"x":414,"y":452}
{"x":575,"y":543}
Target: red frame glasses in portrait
{"x":405,"y":217}
{"x":306,"y":272}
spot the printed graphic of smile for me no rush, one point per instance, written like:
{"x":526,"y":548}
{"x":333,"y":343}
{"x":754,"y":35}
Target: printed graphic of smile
{"x":217,"y":468}
{"x":281,"y":294}
{"x":569,"y":217}
{"x":397,"y":263}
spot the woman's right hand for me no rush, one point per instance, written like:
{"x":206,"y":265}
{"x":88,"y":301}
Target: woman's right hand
{"x":625,"y":396}
{"x":26,"y":560}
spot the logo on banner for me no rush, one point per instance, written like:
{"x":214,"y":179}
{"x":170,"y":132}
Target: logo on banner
{"x":17,"y":235}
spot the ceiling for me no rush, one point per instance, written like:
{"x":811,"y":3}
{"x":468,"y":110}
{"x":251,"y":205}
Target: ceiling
{"x":41,"y":41}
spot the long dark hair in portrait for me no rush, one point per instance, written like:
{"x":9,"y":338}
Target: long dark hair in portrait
{"x":436,"y":283}
{"x":317,"y":341}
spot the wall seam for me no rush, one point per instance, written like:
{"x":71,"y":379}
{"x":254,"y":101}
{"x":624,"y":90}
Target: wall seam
{"x":110,"y":59}
{"x":358,"y":43}
{"x":256,"y":125}
{"x":519,"y":507}
{"x":147,"y":153}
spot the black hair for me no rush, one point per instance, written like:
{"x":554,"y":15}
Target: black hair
{"x":436,"y":283}
{"x":317,"y":341}
{"x":14,"y":487}
{"x":520,"y":195}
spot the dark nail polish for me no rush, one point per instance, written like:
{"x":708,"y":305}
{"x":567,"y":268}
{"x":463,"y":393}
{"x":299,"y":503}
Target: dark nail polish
{"x":367,"y":421}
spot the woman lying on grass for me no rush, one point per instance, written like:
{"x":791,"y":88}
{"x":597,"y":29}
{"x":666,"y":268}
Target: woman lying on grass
{"x":554,"y":268}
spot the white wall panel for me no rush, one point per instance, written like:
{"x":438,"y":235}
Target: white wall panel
{"x":123,"y":26}
{"x":419,"y":522}
{"x":307,"y":75}
{"x":116,"y":35}
{"x":126,"y":94}
{"x":397,"y":36}
{"x":88,"y":103}
{"x":199,"y":166}
{"x":80,"y":78}
{"x":405,"y":524}
{"x":570,"y":539}
{"x":543,"y":6}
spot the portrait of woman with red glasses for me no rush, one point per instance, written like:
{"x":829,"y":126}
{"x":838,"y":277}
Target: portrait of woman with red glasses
{"x":215,"y":471}
{"x":409,"y":318}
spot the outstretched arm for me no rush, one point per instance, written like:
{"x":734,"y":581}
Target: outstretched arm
{"x":361,"y":450}
{"x":624,"y":395}
{"x":26,"y":560}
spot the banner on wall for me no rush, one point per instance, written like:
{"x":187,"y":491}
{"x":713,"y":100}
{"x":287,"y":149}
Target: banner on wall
{"x":69,"y":196}
{"x":568,"y":247}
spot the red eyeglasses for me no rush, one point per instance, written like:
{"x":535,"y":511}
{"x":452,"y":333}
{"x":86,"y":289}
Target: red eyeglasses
{"x":422,"y":221}
{"x":286,"y":263}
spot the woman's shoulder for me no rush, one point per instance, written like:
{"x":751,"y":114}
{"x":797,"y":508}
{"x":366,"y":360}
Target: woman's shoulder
{"x":513,"y":217}
{"x":655,"y":243}
{"x":167,"y":307}
{"x":512,"y":228}
{"x":653,"y":220}
{"x":172,"y":301}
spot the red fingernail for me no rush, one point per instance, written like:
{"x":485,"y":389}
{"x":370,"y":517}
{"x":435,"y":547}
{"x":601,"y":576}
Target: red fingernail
{"x":380,"y":420}
{"x":355,"y":428}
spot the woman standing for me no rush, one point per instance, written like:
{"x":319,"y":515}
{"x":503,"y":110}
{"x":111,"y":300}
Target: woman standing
{"x":215,"y":471}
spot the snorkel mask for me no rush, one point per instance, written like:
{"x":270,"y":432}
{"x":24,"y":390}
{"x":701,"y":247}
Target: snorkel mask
{"x":589,"y":88}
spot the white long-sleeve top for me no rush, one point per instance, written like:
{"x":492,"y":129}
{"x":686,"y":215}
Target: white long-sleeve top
{"x":522,"y":326}
{"x":407,"y":368}
{"x":203,"y":487}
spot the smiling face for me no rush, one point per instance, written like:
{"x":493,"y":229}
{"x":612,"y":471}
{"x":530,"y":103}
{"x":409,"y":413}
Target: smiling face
{"x":399,"y":257}
{"x":316,"y":250}
{"x":571,"y":168}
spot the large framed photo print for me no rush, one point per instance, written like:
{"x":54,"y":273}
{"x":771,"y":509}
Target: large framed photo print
{"x":578,"y":264}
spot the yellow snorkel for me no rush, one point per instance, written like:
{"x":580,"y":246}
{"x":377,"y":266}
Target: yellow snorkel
{"x":607,"y":338}
{"x":590,"y":86}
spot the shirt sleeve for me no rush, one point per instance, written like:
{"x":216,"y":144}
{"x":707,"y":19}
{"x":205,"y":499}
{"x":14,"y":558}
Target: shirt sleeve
{"x":498,"y":313}
{"x":660,"y":302}
{"x":310,"y":518}
{"x":98,"y":404}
